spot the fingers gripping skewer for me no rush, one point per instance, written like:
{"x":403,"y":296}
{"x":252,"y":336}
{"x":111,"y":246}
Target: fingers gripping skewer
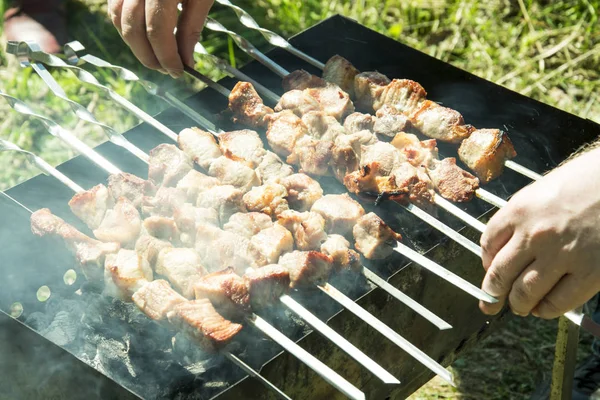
{"x":33,"y":52}
{"x":75,"y":53}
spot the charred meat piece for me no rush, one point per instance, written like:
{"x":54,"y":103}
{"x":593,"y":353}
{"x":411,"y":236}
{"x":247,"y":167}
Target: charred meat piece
{"x":129,"y":186}
{"x":357,"y":122}
{"x":300,"y":80}
{"x":148,"y":247}
{"x":341,"y":72}
{"x":226,"y":200}
{"x":199,"y":145}
{"x":368,"y":88}
{"x":163,"y":228}
{"x":164,"y":201}
{"x":89,"y":253}
{"x":200,"y":320}
{"x":485,"y":153}
{"x":247,"y":106}
{"x":284,"y":129}
{"x":273,"y":242}
{"x":390,"y":122}
{"x":404,"y":95}
{"x":121,"y":224}
{"x":346,"y":153}
{"x":333,"y":101}
{"x":308,"y":228}
{"x":302,"y":190}
{"x":272,"y":168}
{"x":452,"y":182}
{"x":374,"y":239}
{"x":91,"y":206}
{"x":230,"y":172}
{"x":266,"y":285}
{"x":124,"y":273}
{"x":243,"y":145}
{"x":194,"y":183}
{"x":441,"y":123}
{"x":248,"y":224}
{"x":312,"y":155}
{"x":188,"y":217}
{"x":168,"y":164}
{"x":226,"y":290}
{"x":306,"y":268}
{"x":417,"y":182}
{"x":269,"y":199}
{"x":299,"y":102}
{"x":322,"y":126}
{"x":181,"y":267}
{"x":156,"y":299}
{"x":418,"y":153}
{"x":340,"y":212}
{"x":344,"y":258}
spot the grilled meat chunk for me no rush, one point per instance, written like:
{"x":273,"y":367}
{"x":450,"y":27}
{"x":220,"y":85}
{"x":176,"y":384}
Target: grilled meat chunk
{"x":313,"y":156}
{"x":302,"y":190}
{"x":485,"y":153}
{"x":188,"y":217}
{"x":148,"y":247}
{"x":341,"y":72}
{"x":129,"y":186}
{"x":163,"y":228}
{"x":248,"y":224}
{"x":156,"y":299}
{"x":199,"y":145}
{"x":266,"y":285}
{"x":344,"y":258}
{"x":357,"y":122}
{"x":347,"y":152}
{"x":164,"y":202}
{"x":243,"y":145}
{"x":390,"y":122}
{"x":89,"y":253}
{"x":168,"y":164}
{"x":404,"y":95}
{"x":226,"y":200}
{"x":272,"y":168}
{"x":306,"y":268}
{"x":308,"y":228}
{"x":194,"y":183}
{"x":284,"y":129}
{"x":340,"y":212}
{"x":368,"y":88}
{"x":374,"y":239}
{"x":91,"y":206}
{"x":200,"y":320}
{"x":441,"y":123}
{"x":226,"y":290}
{"x":299,"y":102}
{"x":234,"y":173}
{"x":269,"y":199}
{"x":125,"y":273}
{"x":333,"y":100}
{"x":181,"y":267}
{"x":121,"y":224}
{"x":387,"y":156}
{"x":300,"y":80}
{"x":418,"y":153}
{"x":273,"y":242}
{"x":247,"y":106}
{"x":452,"y":182}
{"x":322,"y":126}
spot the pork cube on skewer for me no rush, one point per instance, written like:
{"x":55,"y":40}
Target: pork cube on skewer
{"x":312,"y":155}
{"x":344,"y":258}
{"x":333,"y":100}
{"x":272,"y":168}
{"x":248,"y":224}
{"x":247,"y":106}
{"x":322,"y":126}
{"x":89,"y":253}
{"x":300,"y":80}
{"x":199,"y":145}
{"x":485,"y":151}
{"x":124,"y":273}
{"x":226,"y":200}
{"x":200,"y":320}
{"x":418,"y":153}
{"x":340,"y":212}
{"x":273,"y":242}
{"x":346,"y":153}
{"x":302,"y":190}
{"x":299,"y":102}
{"x":306,"y":268}
{"x":341,"y":72}
{"x":168,"y":164}
{"x":373,"y":238}
{"x":451,"y":181}
{"x":149,"y":247}
{"x":188,"y":217}
{"x":390,"y":122}
{"x":404,"y":95}
{"x":308,"y":228}
{"x":131,"y":187}
{"x":121,"y":224}
{"x":284,"y":129}
{"x":91,"y":206}
{"x":369,"y":87}
{"x":194,"y":183}
{"x":156,"y":299}
{"x":386,"y":155}
{"x":266,"y":285}
{"x":164,"y":202}
{"x":182,"y":267}
{"x":357,"y":122}
{"x":243,"y":145}
{"x":163,"y":228}
{"x":269,"y":199}
{"x":226,"y":290}
{"x":441,"y":123}
{"x":230,"y":172}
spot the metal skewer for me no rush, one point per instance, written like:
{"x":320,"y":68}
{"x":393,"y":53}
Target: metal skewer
{"x":522,"y":170}
{"x":33,"y":52}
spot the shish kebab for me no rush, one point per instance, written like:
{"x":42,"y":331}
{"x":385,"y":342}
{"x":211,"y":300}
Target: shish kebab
{"x":372,"y":276}
{"x":276,"y":40}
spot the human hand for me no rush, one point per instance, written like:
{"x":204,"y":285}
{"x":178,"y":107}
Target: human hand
{"x":147,"y":27}
{"x":542,"y":250}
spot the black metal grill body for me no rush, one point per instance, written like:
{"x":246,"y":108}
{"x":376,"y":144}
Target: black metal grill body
{"x":542,"y":135}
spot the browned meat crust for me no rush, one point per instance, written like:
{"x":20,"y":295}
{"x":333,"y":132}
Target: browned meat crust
{"x":300,"y":80}
{"x":452,"y":182}
{"x":247,"y":106}
{"x":485,"y":153}
{"x":341,"y":72}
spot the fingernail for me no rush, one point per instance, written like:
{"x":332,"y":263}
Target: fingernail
{"x":518,"y":314}
{"x":163,"y":71}
{"x":535,"y":314}
{"x":175,"y":74}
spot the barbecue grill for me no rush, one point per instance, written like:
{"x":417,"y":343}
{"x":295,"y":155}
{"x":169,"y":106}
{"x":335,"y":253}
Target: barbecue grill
{"x":115,"y":339}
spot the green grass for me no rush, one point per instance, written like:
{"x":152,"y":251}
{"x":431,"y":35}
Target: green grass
{"x":549,"y":50}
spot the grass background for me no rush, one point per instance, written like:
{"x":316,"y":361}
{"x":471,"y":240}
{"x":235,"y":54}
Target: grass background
{"x":549,"y":50}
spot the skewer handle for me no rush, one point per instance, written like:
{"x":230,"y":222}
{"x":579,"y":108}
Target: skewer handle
{"x":522,"y":170}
